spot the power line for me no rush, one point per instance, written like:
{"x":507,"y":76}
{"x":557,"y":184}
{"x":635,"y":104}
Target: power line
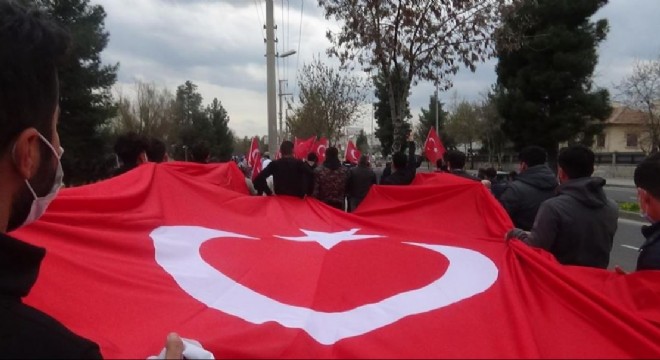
{"x":261,"y":26}
{"x":302,"y":2}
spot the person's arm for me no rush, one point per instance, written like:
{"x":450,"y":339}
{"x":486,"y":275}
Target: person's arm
{"x":510,"y":200}
{"x":649,"y":258}
{"x":546,"y":227}
{"x":260,"y":183}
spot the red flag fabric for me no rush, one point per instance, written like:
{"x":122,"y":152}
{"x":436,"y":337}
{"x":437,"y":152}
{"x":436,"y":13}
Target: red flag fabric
{"x":433,"y":147}
{"x":303,"y":147}
{"x":168,"y":247}
{"x":254,"y":151}
{"x":352,"y":154}
{"x":258,"y":166}
{"x":319,"y":148}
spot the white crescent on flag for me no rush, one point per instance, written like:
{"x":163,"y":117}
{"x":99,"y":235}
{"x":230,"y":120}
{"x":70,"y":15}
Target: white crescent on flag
{"x":178,"y":253}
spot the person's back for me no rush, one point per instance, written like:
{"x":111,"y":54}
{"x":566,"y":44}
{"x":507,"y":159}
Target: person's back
{"x":586,"y":221}
{"x":360,"y":180}
{"x":578,"y":225}
{"x":289,"y":174}
{"x":403,"y":168}
{"x":536,"y":183}
{"x":330,"y":180}
{"x":455,"y":164}
{"x":131,"y":150}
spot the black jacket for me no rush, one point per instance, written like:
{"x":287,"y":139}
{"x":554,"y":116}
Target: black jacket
{"x":464,"y":174}
{"x":406,"y":175}
{"x":578,"y":224}
{"x":649,"y":253}
{"x":360,"y":179}
{"x":26,"y":332}
{"x":523,"y":196}
{"x":290,"y":177}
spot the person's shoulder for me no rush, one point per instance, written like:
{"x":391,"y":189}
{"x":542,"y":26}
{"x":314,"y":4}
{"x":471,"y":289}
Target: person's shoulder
{"x":40,"y":335}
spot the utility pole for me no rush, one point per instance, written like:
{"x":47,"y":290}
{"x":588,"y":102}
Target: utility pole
{"x":281,"y":133}
{"x":270,"y":77}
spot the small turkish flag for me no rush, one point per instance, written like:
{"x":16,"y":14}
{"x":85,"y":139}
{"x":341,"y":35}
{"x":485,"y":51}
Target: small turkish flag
{"x":254,"y":151}
{"x":433,"y":148}
{"x":352,"y":153}
{"x":303,"y":147}
{"x":256,"y":169}
{"x":319,"y":148}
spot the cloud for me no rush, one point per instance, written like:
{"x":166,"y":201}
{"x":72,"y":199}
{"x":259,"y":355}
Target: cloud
{"x":219,"y":46}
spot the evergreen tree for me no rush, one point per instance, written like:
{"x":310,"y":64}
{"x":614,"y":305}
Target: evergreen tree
{"x":362,"y":143}
{"x":544,"y":87}
{"x":85,"y":100}
{"x":427,"y":120}
{"x":383,"y":114}
{"x":222,"y":145}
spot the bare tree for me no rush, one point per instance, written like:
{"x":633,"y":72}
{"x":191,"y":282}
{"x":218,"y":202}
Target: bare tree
{"x":641,"y":91}
{"x":413,"y":39}
{"x":149,"y":114}
{"x":329,"y":101}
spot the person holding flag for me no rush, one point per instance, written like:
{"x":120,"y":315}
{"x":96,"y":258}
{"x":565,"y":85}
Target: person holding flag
{"x":403,"y":168}
{"x":30,"y":178}
{"x":433,"y":147}
{"x":289,"y":174}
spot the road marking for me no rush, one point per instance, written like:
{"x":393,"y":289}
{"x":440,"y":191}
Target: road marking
{"x":630,"y":247}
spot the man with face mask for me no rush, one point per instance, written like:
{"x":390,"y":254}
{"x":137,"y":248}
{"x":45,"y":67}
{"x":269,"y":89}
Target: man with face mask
{"x":30,"y":177}
{"x":647,"y":174}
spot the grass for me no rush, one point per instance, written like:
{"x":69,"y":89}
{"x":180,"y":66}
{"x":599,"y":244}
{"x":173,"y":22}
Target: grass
{"x":629,"y":206}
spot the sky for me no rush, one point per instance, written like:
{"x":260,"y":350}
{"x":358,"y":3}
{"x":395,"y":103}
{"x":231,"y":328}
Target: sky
{"x":219,"y":45}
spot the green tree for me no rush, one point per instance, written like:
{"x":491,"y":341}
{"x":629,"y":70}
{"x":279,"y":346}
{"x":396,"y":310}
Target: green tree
{"x":383,"y":114}
{"x":464,"y":125}
{"x":85,"y":100}
{"x":427,"y":120}
{"x":194,"y":123}
{"x":494,"y":142}
{"x":544,"y":88}
{"x":150,"y":114}
{"x":221,"y":137}
{"x":413,"y":40}
{"x":362,"y":143}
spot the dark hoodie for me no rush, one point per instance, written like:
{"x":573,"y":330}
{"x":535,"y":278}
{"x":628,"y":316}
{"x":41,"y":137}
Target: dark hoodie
{"x":578,"y":224}
{"x":522,"y":197}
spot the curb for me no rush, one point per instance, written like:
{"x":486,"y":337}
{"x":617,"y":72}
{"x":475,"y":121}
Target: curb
{"x":631,"y":186}
{"x":631,"y":215}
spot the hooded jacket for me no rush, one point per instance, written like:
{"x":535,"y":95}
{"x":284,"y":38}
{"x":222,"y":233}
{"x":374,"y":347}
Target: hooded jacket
{"x":522,"y":197}
{"x":577,"y":226}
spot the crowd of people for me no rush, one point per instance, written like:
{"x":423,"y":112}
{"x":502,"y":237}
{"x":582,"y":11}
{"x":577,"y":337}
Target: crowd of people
{"x":567,"y":214}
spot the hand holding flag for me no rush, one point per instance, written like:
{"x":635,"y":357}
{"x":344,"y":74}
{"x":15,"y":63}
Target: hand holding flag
{"x":433,"y":147}
{"x":352,"y":153}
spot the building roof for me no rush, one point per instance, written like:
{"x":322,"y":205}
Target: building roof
{"x":623,"y":115}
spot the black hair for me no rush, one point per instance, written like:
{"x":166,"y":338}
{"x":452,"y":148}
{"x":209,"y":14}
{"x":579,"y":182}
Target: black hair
{"x":156,"y":150}
{"x":647,"y":175}
{"x":128,"y":148}
{"x":576,"y":161}
{"x":312,"y":157}
{"x":533,"y":155}
{"x":491,"y":173}
{"x":456,"y":159}
{"x":31,"y":48}
{"x":200,"y":152}
{"x":399,"y":160}
{"x":364,"y":161}
{"x":286,"y":148}
{"x":332,"y":158}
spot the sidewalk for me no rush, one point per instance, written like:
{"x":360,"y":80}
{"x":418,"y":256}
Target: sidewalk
{"x":618,"y":182}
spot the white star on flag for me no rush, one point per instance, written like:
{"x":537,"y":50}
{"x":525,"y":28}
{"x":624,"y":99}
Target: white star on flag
{"x":328,"y":239}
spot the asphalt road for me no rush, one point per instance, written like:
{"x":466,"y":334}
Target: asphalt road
{"x":621,"y":194}
{"x":627,"y":241}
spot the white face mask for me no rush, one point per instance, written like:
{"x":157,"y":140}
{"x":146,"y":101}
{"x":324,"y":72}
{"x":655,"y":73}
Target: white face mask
{"x":40,"y":204}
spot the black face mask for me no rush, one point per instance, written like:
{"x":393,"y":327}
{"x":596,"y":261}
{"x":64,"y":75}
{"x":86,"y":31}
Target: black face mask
{"x":41,"y":182}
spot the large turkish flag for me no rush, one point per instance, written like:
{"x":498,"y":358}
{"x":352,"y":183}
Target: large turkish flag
{"x":417,"y":271}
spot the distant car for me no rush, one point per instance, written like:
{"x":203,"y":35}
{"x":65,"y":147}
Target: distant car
{"x":502,"y":176}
